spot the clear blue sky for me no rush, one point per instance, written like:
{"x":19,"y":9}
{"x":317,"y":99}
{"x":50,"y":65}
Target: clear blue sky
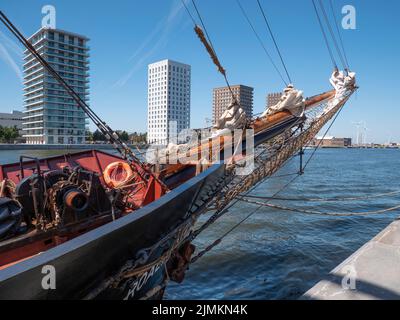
{"x":126,"y":35}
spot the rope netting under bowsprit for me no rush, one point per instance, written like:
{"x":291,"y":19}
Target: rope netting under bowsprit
{"x":270,"y":157}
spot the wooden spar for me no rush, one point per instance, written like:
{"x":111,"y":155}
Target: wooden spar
{"x":263,"y":123}
{"x":259,"y":125}
{"x":310,"y":102}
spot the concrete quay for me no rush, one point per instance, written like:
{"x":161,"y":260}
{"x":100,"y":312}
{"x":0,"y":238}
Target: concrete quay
{"x":371,"y":273}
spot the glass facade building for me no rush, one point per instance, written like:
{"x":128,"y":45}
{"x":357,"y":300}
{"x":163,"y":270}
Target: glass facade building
{"x":51,"y":116}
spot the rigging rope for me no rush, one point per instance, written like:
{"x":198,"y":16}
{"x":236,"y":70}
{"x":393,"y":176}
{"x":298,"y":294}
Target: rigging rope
{"x":206,"y":40}
{"x":215,"y":217}
{"x":332,"y":34}
{"x":325,"y":36}
{"x":273,"y":38}
{"x":233,"y":228}
{"x":239,"y":198}
{"x":284,"y":175}
{"x":188,"y":11}
{"x":380,"y":195}
{"x":321,"y":140}
{"x":339,"y":33}
{"x":338,"y":214}
{"x":261,"y":42}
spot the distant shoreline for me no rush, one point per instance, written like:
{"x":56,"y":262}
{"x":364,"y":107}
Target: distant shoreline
{"x":58,"y":146}
{"x":10,"y":147}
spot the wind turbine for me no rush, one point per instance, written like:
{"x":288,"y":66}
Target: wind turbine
{"x":365,"y":133}
{"x":358,"y":125}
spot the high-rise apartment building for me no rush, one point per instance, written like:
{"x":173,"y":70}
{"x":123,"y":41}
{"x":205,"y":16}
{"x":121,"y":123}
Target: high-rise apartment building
{"x":222,"y":98}
{"x":273,"y":99}
{"x":168,"y":100}
{"x":51,"y":115}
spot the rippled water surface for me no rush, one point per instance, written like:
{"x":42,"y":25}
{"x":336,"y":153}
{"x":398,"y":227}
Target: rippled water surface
{"x":280,"y":254}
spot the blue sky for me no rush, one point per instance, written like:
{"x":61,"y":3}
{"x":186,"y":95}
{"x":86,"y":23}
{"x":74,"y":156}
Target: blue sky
{"x":126,"y":35}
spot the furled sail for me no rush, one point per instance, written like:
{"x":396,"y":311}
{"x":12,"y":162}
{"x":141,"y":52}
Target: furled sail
{"x":292,"y":100}
{"x":341,"y":82}
{"x":233,"y":118}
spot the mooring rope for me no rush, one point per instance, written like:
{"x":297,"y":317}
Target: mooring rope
{"x":305,"y":211}
{"x":373,"y":196}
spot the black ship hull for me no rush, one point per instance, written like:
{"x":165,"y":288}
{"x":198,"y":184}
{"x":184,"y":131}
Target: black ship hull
{"x":89,"y":266}
{"x":82,"y":263}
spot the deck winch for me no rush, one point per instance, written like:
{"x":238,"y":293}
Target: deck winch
{"x":61,"y":197}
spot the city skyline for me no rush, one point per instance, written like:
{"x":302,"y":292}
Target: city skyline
{"x":120,"y":60}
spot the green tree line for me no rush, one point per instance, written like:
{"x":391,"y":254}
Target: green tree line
{"x":8,"y":134}
{"x":133,"y":138}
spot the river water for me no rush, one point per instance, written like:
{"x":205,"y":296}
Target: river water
{"x":280,"y":254}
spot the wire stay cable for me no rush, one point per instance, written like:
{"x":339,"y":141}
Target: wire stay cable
{"x":261,"y":42}
{"x":274,"y":40}
{"x":332,"y":34}
{"x":324,"y":35}
{"x":206,"y":40}
{"x":339,"y":33}
{"x":188,"y":12}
